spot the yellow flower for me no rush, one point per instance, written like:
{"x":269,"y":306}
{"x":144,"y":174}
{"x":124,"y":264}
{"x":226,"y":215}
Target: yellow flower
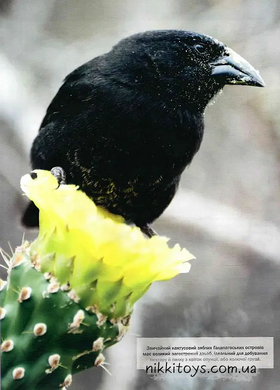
{"x":107,"y":264}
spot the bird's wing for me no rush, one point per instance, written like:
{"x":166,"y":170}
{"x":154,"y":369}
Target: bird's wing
{"x":77,"y":91}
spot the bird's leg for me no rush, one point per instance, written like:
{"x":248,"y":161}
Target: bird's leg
{"x":59,"y":174}
{"x":148,"y":231}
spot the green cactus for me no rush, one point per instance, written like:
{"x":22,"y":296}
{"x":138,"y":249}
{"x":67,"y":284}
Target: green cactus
{"x":46,"y":335}
{"x":70,"y":294}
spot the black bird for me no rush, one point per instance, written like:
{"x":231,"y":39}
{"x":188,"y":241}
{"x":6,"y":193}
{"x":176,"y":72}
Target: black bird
{"x":125,"y":125}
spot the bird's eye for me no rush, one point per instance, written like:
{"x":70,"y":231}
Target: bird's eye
{"x":200,"y":48}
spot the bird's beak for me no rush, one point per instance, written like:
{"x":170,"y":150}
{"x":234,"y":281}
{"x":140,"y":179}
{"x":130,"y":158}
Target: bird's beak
{"x":233,"y":69}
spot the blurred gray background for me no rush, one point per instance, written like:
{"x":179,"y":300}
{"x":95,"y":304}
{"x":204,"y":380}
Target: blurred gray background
{"x":227,"y":210}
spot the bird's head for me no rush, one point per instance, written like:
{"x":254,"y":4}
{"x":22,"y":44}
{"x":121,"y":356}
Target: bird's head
{"x":183,"y":65}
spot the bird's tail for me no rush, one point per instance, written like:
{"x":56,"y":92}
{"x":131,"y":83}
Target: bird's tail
{"x":30,"y":218}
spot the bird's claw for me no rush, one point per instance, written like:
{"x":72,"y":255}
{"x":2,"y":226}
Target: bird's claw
{"x":148,"y":231}
{"x":59,"y":174}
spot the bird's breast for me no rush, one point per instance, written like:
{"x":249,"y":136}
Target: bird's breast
{"x":177,"y":140}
